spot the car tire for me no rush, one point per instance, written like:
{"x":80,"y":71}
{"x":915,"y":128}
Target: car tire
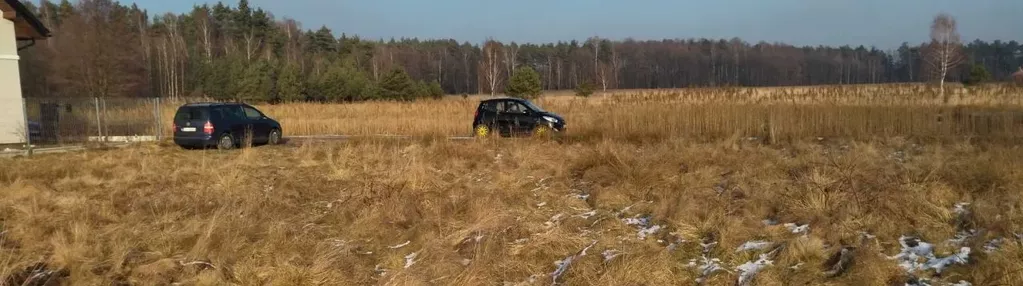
{"x":226,"y":142}
{"x":274,"y":138}
{"x":542,"y":131}
{"x":482,"y":131}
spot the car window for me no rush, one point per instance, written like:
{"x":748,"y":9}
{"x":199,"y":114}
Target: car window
{"x":188,"y":113}
{"x":252,"y":113}
{"x":514,"y":107}
{"x":233,"y":112}
{"x":534,"y":107}
{"x":490,"y":106}
{"x":222,"y":113}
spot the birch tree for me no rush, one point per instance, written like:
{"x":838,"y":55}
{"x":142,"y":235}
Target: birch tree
{"x":490,"y":65}
{"x":944,"y":53}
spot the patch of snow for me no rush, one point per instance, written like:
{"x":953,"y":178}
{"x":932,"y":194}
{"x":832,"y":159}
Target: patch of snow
{"x":640,"y":221}
{"x":939,"y":264}
{"x":994,"y":245}
{"x":961,"y":283}
{"x":541,"y":204}
{"x":753,"y":245}
{"x":410,"y":259}
{"x":960,"y":208}
{"x":748,"y":271}
{"x":403,"y":244}
{"x":797,"y":266}
{"x":707,"y":246}
{"x":914,"y":250}
{"x":961,"y":237}
{"x":562,"y":265}
{"x":643,"y":223}
{"x":380,"y":271}
{"x":707,"y":266}
{"x":644,"y":232}
{"x":466,"y":261}
{"x":581,"y":196}
{"x":675,"y":244}
{"x":798,"y":229}
{"x":610,"y":254}
{"x":867,"y":236}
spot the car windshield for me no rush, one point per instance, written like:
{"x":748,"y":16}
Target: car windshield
{"x":533,"y":106}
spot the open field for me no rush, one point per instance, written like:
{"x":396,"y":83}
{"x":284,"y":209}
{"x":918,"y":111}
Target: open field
{"x":423,"y":212}
{"x":863,"y":112}
{"x":791,"y":113}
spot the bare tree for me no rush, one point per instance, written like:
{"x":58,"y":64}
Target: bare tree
{"x":204,"y":28}
{"x":490,"y":63}
{"x":511,"y":56}
{"x":944,"y":53}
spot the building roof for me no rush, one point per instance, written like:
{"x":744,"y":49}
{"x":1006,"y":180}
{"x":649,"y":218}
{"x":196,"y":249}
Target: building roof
{"x":26,"y":25}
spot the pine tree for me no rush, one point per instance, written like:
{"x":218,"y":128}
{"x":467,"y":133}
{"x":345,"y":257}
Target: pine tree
{"x":255,"y":85}
{"x":584,"y":89}
{"x":290,"y":85}
{"x":978,"y":75}
{"x":397,"y":85}
{"x":525,"y":83}
{"x":434,"y":90}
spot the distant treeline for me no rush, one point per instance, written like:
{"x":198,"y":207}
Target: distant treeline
{"x":103,"y":48}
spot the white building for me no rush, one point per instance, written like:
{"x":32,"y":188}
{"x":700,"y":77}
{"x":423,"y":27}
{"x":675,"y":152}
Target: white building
{"x":19,"y":29}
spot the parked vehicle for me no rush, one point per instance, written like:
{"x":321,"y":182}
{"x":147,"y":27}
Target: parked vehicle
{"x":514,"y":116}
{"x":224,"y":125}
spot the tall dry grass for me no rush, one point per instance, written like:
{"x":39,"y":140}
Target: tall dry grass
{"x":792,"y":113}
{"x":500,"y":212}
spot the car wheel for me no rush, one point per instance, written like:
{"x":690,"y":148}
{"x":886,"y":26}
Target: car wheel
{"x":274,"y":138}
{"x":542,"y":131}
{"x":482,"y":131}
{"x":226,"y":142}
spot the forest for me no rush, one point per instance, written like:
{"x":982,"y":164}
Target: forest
{"x":103,"y":48}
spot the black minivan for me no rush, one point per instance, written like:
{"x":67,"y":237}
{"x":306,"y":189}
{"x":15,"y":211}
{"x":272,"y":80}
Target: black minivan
{"x":224,"y":125}
{"x":514,"y":116}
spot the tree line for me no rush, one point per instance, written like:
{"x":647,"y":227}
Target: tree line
{"x":106,"y":49}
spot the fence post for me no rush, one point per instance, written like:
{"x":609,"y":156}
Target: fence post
{"x":99,"y":122}
{"x":104,"y":103}
{"x":159,"y":121}
{"x":28,"y":127}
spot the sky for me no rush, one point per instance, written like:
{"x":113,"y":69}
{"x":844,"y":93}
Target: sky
{"x":880,"y":23}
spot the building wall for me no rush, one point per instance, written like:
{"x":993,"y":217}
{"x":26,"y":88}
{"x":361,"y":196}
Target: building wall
{"x":12,"y":110}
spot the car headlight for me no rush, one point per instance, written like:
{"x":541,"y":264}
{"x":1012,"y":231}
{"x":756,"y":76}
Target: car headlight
{"x":550,"y":119}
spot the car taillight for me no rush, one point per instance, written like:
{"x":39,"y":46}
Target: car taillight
{"x":174,"y":126}
{"x":477,"y":114}
{"x":207,"y":128}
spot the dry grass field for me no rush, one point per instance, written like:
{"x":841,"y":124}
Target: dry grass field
{"x":863,"y":112}
{"x":797,"y":186}
{"x":425,"y":212}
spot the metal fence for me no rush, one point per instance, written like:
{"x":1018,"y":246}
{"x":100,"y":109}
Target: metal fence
{"x":62,"y":121}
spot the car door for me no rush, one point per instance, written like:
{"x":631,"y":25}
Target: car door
{"x":236,"y":122}
{"x":505,"y":120}
{"x":258,"y":124}
{"x":519,"y":117}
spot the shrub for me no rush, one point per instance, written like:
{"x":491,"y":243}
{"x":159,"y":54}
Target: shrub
{"x":525,"y":83}
{"x":584,"y":89}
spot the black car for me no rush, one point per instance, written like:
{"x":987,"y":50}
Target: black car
{"x":224,"y":125}
{"x":514,"y":116}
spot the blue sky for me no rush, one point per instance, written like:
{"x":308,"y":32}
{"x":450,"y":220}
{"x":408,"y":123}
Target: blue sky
{"x":882,"y":23}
